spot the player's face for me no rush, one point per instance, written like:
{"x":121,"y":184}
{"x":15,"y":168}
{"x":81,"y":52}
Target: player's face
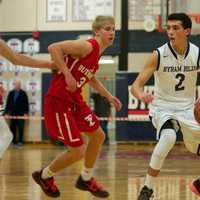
{"x":176,"y":33}
{"x":107,"y":33}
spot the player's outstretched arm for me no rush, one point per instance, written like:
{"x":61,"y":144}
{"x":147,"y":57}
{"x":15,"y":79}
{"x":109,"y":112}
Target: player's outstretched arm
{"x":19,"y":59}
{"x":143,"y":77}
{"x":98,"y":86}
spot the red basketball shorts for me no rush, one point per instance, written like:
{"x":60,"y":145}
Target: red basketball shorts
{"x":65,"y":122}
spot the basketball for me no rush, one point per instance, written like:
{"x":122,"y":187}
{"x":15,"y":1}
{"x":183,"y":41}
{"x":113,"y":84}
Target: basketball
{"x":197,"y":111}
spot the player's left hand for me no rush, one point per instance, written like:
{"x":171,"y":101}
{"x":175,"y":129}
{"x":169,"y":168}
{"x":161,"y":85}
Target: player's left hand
{"x":116,"y":103}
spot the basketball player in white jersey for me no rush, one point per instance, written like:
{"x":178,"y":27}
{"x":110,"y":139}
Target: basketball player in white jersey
{"x":175,"y":66}
{"x":17,"y":59}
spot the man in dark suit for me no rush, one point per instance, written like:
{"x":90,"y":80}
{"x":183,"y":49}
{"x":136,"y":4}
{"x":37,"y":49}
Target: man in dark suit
{"x":17,"y":105}
{"x":102,"y":108}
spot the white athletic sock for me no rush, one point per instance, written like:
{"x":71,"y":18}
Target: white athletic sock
{"x":87,"y":173}
{"x":47,"y":173}
{"x":149,"y":181}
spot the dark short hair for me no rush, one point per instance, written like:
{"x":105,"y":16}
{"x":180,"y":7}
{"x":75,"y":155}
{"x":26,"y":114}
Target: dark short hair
{"x":184,"y":18}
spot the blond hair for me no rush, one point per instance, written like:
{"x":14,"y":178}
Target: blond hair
{"x":102,"y":20}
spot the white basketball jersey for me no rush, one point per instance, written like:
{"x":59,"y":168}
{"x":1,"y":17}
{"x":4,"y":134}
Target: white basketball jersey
{"x":175,"y":78}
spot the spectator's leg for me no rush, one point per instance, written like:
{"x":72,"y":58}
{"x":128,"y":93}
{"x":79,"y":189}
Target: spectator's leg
{"x":13,"y":129}
{"x":21,"y":130}
{"x":104,"y":126}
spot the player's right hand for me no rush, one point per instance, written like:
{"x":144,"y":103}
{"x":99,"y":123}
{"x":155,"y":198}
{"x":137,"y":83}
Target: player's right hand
{"x":71,"y":82}
{"x":115,"y":102}
{"x":146,"y":97}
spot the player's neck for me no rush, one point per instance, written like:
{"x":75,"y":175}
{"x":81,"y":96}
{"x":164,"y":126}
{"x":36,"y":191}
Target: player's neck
{"x":102,"y":46}
{"x":180,"y":49}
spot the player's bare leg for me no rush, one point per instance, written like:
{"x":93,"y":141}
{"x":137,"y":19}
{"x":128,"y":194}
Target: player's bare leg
{"x":67,"y":158}
{"x":161,"y":150}
{"x":44,"y":177}
{"x":86,"y":181}
{"x":153,"y":172}
{"x":96,"y":140}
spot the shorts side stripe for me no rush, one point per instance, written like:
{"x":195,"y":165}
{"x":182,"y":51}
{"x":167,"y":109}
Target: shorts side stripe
{"x":59,"y":127}
{"x":69,"y":130}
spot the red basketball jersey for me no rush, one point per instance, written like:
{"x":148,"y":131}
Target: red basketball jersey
{"x":82,"y":69}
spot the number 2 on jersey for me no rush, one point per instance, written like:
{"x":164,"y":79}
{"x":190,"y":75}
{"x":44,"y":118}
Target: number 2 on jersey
{"x":179,"y":86}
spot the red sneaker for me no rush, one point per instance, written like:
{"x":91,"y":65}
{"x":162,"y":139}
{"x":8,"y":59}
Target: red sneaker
{"x":47,"y":185}
{"x":195,"y":187}
{"x":92,"y":187}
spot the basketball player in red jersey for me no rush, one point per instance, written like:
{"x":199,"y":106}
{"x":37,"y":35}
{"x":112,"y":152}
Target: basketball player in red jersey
{"x":66,"y":113}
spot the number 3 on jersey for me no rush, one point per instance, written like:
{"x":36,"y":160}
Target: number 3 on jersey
{"x":81,"y":82}
{"x":179,"y":86}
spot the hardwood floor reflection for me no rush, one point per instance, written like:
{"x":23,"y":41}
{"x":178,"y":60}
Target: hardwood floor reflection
{"x":120,"y":168}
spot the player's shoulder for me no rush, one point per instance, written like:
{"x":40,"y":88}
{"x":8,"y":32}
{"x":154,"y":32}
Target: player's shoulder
{"x":194,"y":50}
{"x":163,"y":49}
{"x":95,"y":48}
{"x":84,"y":43}
{"x":85,"y":47}
{"x":93,"y":42}
{"x":194,"y":46}
{"x":165,"y":45}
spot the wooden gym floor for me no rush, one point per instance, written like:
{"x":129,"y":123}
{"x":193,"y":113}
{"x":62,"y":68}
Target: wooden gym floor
{"x":120,"y":168}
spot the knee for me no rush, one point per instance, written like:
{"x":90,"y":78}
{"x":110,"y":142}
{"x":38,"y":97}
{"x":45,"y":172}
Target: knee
{"x":101,"y":137}
{"x":170,"y":139}
{"x":98,"y":137}
{"x":165,"y":144}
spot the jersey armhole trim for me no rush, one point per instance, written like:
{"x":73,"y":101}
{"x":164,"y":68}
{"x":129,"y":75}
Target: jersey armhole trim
{"x":158,"y":62}
{"x":198,"y":60}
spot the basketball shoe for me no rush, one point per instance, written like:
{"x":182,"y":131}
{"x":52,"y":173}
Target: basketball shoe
{"x":47,"y":185}
{"x":195,"y":187}
{"x":92,"y":187}
{"x":145,"y":193}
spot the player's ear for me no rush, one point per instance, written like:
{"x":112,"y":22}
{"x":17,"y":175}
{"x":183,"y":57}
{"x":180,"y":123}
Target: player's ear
{"x":96,"y":32}
{"x":188,"y":31}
